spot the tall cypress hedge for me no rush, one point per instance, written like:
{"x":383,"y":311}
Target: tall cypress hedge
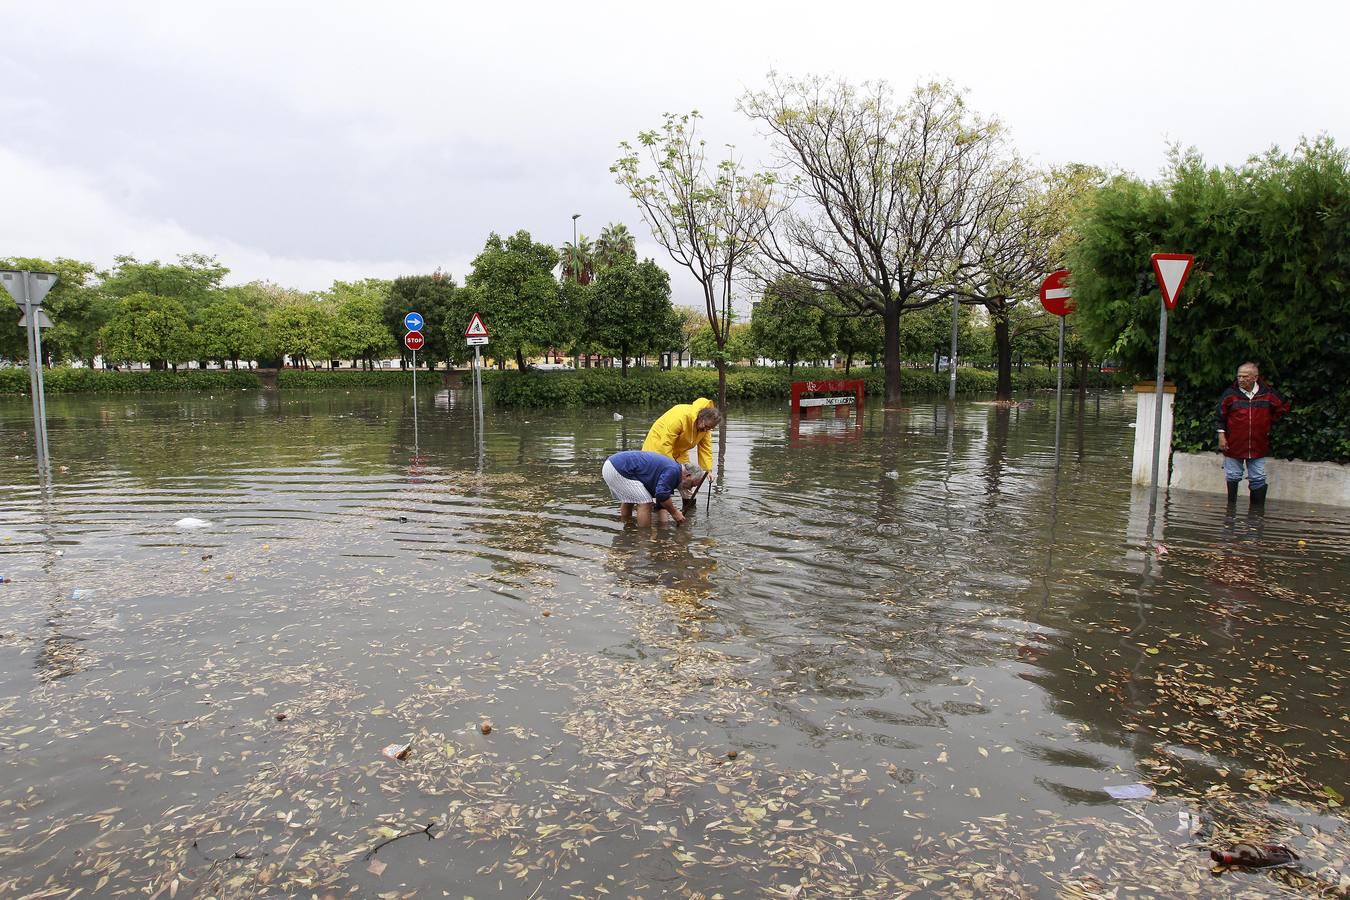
{"x":1271,"y":284}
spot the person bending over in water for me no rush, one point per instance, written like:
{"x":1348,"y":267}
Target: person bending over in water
{"x":642,"y":479}
{"x":683,"y":428}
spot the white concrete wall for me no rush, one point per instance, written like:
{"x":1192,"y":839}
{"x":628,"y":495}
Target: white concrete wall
{"x":1143,"y":432}
{"x":1290,"y":479}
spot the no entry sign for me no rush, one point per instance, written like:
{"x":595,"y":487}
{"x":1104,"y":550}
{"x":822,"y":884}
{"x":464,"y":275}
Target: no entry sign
{"x":1055,"y":294}
{"x":414,"y":341}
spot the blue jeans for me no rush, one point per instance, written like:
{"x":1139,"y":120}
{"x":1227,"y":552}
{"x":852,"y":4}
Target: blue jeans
{"x":1256,"y":471}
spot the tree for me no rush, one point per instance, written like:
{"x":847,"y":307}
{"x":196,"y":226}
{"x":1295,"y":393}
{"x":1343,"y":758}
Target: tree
{"x":1018,"y":241}
{"x":578,"y":263}
{"x":737,"y":344}
{"x":631,"y":309}
{"x":709,"y":217}
{"x":1271,"y":240}
{"x":885,"y":194}
{"x":926,"y":333}
{"x":358,"y":329}
{"x":77,"y":310}
{"x":149,"y":328}
{"x":859,"y":335}
{"x":297,"y":327}
{"x":686,"y":322}
{"x":193,"y":281}
{"x":445,"y":309}
{"x":787,"y":329}
{"x":512,"y":282}
{"x":231,"y":328}
{"x":616,"y":244}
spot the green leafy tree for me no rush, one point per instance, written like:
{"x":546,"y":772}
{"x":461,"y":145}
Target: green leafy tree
{"x":298,"y":327}
{"x":615,"y":245}
{"x":77,"y":310}
{"x":927,"y":333}
{"x":358,"y":329}
{"x":149,"y":328}
{"x":710,"y":217}
{"x":1271,"y":240}
{"x":193,"y":281}
{"x":578,"y":262}
{"x":686,"y":322}
{"x":859,"y":335}
{"x":445,"y":308}
{"x":787,"y":329}
{"x":512,"y":282}
{"x":631,"y":309}
{"x":231,"y":328}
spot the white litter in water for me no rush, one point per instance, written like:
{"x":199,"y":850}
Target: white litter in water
{"x":190,"y":522}
{"x":892,"y":474}
{"x":618,"y":418}
{"x":1132,"y":425}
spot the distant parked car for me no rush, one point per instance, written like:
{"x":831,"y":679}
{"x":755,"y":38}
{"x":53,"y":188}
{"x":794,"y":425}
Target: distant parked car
{"x":551,"y":367}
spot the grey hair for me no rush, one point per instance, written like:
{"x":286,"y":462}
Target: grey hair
{"x":707,"y":417}
{"x":1252,"y":364}
{"x":691,"y":470}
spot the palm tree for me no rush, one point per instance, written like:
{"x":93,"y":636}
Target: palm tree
{"x":616,"y":243}
{"x":578,"y":263}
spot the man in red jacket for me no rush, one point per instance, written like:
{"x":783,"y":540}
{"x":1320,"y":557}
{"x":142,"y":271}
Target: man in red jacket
{"x":1246,"y":411}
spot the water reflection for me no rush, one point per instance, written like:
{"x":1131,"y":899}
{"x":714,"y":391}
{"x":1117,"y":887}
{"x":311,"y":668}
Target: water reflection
{"x":920,"y":598}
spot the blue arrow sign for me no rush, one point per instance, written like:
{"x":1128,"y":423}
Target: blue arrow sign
{"x":413,"y":321}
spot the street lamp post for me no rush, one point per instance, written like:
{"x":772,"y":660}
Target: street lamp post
{"x":575,"y":274}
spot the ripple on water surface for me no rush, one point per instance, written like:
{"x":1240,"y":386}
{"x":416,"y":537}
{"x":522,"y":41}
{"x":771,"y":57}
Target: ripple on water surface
{"x":905,"y":656}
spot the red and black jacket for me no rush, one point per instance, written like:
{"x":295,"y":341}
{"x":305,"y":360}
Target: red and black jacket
{"x":1247,"y":422}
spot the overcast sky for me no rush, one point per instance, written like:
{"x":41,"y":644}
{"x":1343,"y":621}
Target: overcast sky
{"x":303,"y":142}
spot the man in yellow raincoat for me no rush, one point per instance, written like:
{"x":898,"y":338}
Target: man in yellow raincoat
{"x":682,"y":428}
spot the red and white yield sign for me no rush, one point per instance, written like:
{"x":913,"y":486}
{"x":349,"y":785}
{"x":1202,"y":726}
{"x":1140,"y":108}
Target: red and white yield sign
{"x":414,"y":341}
{"x":1172,"y":270}
{"x":1055,"y":294}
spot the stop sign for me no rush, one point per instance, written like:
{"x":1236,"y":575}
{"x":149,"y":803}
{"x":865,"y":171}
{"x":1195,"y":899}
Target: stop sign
{"x":414,"y":340}
{"x":1055,"y":294}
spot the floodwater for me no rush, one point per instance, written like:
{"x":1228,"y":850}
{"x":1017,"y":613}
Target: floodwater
{"x":902,"y":655}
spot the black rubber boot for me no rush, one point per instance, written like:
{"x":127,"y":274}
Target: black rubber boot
{"x":1259,"y":497}
{"x":1232,"y":492}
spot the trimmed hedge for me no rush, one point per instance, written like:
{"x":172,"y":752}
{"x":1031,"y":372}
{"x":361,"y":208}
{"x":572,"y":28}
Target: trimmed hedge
{"x":97,"y":381}
{"x":608,"y":387}
{"x":317,"y":379}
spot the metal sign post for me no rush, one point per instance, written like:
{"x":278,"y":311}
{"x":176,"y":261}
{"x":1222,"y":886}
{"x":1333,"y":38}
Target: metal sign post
{"x":476,"y":335}
{"x":1059,"y":389}
{"x":28,"y":289}
{"x":414,"y":341}
{"x":1057,"y":298}
{"x":1172,"y":270}
{"x":951,"y":380}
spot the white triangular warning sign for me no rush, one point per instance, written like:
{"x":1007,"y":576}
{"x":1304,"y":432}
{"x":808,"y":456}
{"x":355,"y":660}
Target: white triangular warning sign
{"x":476,"y":328}
{"x":1172,"y":270}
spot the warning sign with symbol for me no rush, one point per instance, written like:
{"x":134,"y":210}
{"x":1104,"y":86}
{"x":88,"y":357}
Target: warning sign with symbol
{"x":476,"y":328}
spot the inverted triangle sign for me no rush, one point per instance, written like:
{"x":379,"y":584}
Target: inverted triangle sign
{"x":476,"y":328}
{"x":1172,"y":270}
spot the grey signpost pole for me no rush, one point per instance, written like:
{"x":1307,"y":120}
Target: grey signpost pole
{"x":1172,"y":270}
{"x":951,"y":380}
{"x":28,"y":289}
{"x":1158,"y":400}
{"x":1059,"y":388}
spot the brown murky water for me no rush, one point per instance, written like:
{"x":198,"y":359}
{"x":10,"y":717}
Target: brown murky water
{"x":902,"y":657}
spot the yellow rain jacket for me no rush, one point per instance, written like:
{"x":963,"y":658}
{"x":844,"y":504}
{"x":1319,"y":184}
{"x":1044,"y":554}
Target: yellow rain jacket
{"x":674,"y":434}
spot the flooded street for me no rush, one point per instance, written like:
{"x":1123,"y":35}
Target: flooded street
{"x":906,"y":656}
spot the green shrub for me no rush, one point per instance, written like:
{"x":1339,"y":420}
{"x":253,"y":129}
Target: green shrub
{"x":649,"y":387}
{"x":1271,"y":240}
{"x":318,"y":379}
{"x":97,"y":381}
